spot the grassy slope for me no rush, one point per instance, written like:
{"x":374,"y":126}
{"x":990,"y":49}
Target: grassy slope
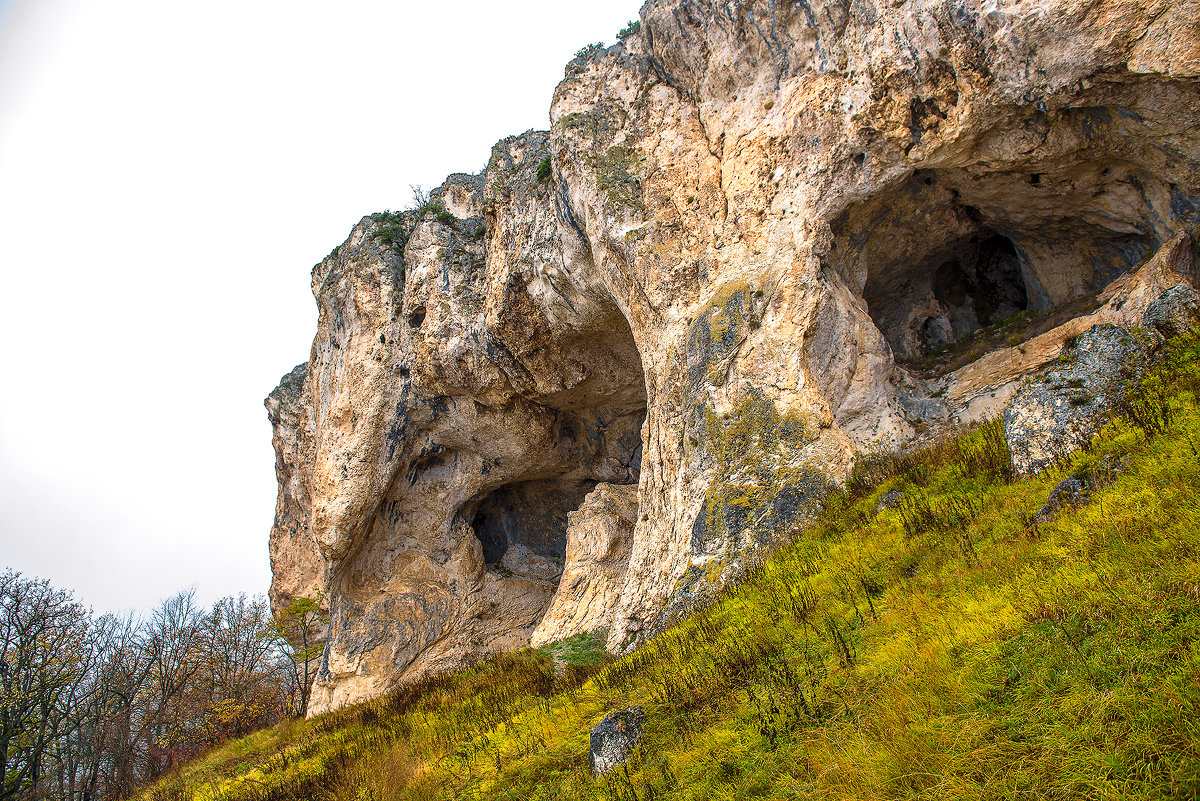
{"x":948,"y":648}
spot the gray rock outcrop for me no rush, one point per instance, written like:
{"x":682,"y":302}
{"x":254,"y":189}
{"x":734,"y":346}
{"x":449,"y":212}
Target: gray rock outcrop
{"x":613,"y":740}
{"x":1070,"y":492}
{"x":1174,"y":311}
{"x":1060,"y":409}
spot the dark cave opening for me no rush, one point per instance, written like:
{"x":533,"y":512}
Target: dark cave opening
{"x":528,"y":514}
{"x":943,"y":254}
{"x":939,"y":298}
{"x":979,"y":284}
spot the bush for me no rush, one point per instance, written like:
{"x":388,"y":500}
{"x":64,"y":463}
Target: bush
{"x":630,"y":29}
{"x":544,"y":170}
{"x":587,"y":50}
{"x":392,"y":231}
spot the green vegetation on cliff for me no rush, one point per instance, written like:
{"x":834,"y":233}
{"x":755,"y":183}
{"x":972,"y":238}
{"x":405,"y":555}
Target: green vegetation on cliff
{"x":951,"y":642}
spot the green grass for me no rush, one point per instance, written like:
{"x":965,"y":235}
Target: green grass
{"x":949,"y":647}
{"x":584,"y":650}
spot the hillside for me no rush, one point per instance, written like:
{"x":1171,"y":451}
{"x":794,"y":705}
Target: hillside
{"x":933,"y":634}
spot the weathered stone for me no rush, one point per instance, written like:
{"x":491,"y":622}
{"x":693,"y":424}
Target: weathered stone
{"x":298,"y":569}
{"x":1174,"y":312}
{"x":599,"y":536}
{"x":890,"y":500}
{"x":762,"y":223}
{"x":614,"y":739}
{"x":1071,"y":491}
{"x":1061,"y":408}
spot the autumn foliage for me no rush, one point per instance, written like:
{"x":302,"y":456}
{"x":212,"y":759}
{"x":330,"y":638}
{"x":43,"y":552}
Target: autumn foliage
{"x":93,"y":707}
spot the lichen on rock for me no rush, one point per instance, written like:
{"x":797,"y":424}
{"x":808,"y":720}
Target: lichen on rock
{"x":1062,"y":407}
{"x":613,"y":740}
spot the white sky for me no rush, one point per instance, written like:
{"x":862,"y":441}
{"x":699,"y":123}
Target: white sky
{"x":169,"y":173}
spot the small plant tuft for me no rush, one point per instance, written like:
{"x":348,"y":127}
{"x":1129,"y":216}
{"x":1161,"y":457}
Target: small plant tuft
{"x":1149,"y":409}
{"x":587,"y":50}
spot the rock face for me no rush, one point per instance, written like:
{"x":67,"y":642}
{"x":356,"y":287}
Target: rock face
{"x":295,"y":559}
{"x":599,"y":537}
{"x":718,"y":277}
{"x":613,"y":740}
{"x":1064,"y":406}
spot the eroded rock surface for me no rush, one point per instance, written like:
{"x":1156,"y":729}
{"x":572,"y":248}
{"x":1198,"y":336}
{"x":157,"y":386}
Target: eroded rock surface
{"x":295,"y":558}
{"x":599,"y":537}
{"x":759,"y":224}
{"x":1063,"y":407}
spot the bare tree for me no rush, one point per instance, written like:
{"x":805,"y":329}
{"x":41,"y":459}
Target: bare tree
{"x":42,"y":633}
{"x":420,"y":197}
{"x":150,"y":666}
{"x":240,"y":681}
{"x":84,"y":754}
{"x":94,"y":708}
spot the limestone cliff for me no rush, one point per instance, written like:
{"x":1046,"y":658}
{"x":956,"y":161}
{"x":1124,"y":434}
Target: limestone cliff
{"x":580,"y":390}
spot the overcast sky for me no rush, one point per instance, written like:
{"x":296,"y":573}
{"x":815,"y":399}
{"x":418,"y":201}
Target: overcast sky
{"x":169,"y":173}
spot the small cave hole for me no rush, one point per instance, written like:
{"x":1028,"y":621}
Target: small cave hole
{"x":973,"y":214}
{"x":416,"y":317}
{"x":1035,"y":178}
{"x":980,"y":286}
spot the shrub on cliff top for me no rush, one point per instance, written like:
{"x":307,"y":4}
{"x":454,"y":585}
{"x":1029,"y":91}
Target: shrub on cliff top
{"x":391,"y":230}
{"x":587,"y":50}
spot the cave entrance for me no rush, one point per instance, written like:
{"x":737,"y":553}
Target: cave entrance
{"x":945,"y":253}
{"x":555,"y":528}
{"x":523,"y":526}
{"x":938,"y":298}
{"x":597,"y":438}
